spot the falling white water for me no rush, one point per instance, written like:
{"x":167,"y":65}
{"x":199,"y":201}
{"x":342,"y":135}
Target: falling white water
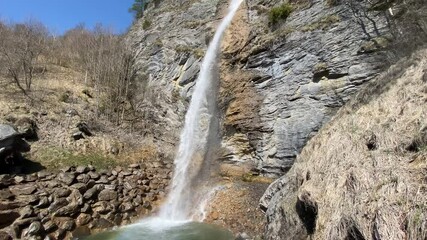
{"x":181,"y":204}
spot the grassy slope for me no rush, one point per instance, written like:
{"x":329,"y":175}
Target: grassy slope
{"x":55,"y":93}
{"x":362,"y":173}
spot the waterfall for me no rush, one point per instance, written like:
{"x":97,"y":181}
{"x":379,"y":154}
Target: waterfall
{"x":200,"y":122}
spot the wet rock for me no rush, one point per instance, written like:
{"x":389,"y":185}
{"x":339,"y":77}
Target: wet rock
{"x":107,"y":195}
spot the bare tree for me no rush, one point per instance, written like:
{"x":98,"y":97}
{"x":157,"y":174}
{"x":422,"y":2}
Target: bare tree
{"x":21,"y":45}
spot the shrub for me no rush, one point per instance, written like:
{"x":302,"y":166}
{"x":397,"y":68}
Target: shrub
{"x":279,"y":13}
{"x":146,"y":24}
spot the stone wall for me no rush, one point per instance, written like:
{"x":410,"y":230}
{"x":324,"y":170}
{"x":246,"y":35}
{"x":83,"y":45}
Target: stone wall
{"x":78,"y":200}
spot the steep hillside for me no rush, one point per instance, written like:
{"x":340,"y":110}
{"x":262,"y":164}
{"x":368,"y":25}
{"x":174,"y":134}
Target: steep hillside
{"x":363,"y":176}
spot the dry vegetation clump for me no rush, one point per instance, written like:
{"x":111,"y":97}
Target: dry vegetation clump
{"x":365,"y":172}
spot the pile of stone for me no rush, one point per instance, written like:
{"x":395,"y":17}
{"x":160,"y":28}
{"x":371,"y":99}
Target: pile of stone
{"x":78,"y":200}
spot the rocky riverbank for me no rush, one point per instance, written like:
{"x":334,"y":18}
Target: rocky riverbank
{"x":77,"y":201}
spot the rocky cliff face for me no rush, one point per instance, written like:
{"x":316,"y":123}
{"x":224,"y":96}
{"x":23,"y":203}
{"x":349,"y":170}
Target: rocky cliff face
{"x":363,"y":175}
{"x":280,"y":83}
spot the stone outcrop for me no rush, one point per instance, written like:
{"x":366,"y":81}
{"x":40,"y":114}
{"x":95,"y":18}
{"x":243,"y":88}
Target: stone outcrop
{"x":361,"y":177}
{"x":78,"y":200}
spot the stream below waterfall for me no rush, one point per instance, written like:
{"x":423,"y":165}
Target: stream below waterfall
{"x":162,"y":229}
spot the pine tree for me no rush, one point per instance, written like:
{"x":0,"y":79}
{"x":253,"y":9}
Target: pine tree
{"x":138,"y":8}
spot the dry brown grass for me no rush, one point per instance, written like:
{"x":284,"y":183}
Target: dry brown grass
{"x":48,"y":107}
{"x":366,"y":190}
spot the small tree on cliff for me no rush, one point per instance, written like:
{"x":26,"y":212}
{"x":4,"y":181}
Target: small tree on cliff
{"x":138,"y":8}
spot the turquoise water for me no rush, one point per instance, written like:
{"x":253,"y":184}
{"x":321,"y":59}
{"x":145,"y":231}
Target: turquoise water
{"x":158,"y":229}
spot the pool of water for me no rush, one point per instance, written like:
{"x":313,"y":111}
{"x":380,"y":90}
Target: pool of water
{"x":159,"y":229}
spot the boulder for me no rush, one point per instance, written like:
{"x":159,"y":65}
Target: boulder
{"x":66,"y":177}
{"x":28,"y":128}
{"x":35,"y":228}
{"x":83,"y":127}
{"x":67,"y":211}
{"x":23,"y":189}
{"x":107,"y":195}
{"x":82,"y":169}
{"x":83,"y":219}
{"x":57,"y":204}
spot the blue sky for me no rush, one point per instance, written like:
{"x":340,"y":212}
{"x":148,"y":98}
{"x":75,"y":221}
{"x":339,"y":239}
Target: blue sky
{"x":61,"y":15}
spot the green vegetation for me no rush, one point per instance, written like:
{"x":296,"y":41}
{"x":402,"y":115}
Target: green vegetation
{"x":138,"y":8}
{"x":197,"y":52}
{"x":375,"y":44}
{"x":332,"y":3}
{"x":320,"y":67}
{"x":322,"y":24}
{"x":146,"y":24}
{"x":54,"y":158}
{"x":280,"y":13}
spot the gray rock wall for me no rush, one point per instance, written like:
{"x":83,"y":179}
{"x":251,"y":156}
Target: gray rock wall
{"x":297,"y":74}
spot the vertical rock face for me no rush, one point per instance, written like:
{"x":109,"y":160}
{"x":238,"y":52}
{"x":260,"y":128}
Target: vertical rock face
{"x":280,"y":83}
{"x":299,"y":75}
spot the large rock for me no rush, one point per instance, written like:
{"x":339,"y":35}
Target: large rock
{"x":26,"y":189}
{"x":107,"y":195}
